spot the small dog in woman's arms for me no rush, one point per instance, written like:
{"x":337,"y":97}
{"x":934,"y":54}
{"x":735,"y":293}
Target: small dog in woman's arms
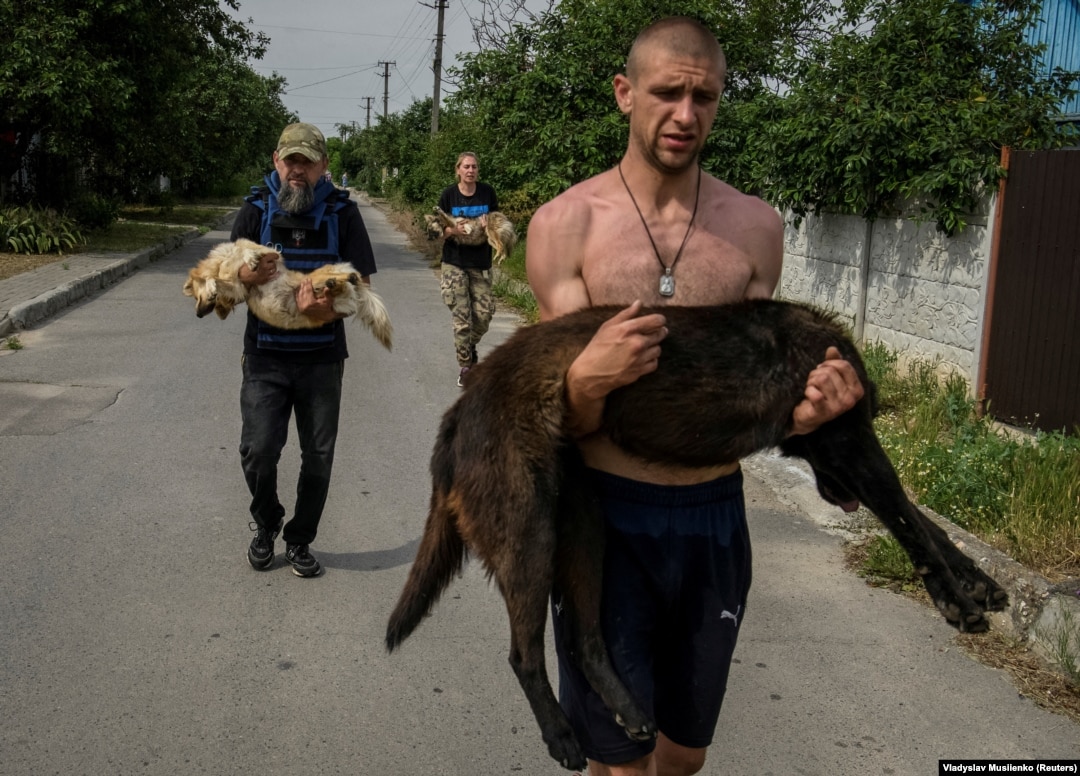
{"x":493,"y":228}
{"x":215,"y":284}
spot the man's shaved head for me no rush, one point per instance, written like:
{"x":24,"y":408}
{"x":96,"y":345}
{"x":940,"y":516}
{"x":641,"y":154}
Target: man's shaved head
{"x":678,"y":35}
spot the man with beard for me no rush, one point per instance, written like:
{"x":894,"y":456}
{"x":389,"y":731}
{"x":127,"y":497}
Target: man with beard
{"x":658,"y":230}
{"x":311,"y":223}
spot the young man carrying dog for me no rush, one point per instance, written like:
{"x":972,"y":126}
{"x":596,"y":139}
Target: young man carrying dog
{"x":466,"y":269}
{"x":658,"y":230}
{"x":311,"y":223}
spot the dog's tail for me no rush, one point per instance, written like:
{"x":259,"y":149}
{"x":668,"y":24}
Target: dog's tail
{"x":374,"y":315}
{"x":439,"y":558}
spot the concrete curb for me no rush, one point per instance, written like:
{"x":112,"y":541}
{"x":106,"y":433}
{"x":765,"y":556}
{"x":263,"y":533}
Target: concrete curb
{"x":27,"y":314}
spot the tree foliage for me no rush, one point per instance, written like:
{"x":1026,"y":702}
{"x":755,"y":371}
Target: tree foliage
{"x":118,"y":92}
{"x":905,"y":102}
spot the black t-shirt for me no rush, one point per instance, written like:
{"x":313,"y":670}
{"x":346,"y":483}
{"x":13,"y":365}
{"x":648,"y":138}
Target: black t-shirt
{"x":354,"y":247}
{"x":457,"y":204}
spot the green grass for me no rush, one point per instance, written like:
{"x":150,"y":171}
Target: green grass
{"x":143,"y":226}
{"x":129,"y":236}
{"x":1018,"y":491}
{"x":513,"y":288}
{"x":190,"y":215}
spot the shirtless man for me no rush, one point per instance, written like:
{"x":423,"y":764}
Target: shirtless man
{"x":657,"y":230}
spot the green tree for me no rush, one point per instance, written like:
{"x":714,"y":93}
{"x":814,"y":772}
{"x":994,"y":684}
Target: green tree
{"x":907,"y":101}
{"x":100,"y":88}
{"x":224,"y":124}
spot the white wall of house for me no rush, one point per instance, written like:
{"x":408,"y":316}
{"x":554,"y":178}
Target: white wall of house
{"x":919,"y":292}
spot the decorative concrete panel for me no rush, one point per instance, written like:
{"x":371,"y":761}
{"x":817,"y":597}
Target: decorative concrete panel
{"x":924,"y":293}
{"x":946,"y":314}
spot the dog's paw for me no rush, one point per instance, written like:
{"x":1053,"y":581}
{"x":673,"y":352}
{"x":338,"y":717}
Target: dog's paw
{"x":954,"y":603}
{"x":640,"y":731}
{"x":567,"y":752}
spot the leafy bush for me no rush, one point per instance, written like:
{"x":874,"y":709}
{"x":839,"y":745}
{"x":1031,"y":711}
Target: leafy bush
{"x":36,"y":230}
{"x":93,"y":211}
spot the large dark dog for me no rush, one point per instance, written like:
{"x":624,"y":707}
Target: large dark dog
{"x":507,"y":485}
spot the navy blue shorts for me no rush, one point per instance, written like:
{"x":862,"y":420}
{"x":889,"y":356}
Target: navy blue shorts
{"x":676,"y":575}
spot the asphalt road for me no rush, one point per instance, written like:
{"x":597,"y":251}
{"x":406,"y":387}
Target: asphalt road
{"x":135,"y":638}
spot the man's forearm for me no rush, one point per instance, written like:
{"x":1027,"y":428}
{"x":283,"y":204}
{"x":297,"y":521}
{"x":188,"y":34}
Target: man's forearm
{"x":584,"y":413}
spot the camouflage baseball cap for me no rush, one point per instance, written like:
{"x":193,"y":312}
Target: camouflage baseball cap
{"x":303,"y":139}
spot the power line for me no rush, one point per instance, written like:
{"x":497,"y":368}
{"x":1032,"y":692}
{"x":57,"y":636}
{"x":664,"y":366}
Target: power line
{"x":328,"y":80}
{"x":331,"y":32}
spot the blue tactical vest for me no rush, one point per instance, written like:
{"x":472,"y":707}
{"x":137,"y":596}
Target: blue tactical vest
{"x":306,"y":241}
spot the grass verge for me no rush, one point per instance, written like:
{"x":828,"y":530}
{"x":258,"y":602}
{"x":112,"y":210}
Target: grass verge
{"x":1019,"y":492}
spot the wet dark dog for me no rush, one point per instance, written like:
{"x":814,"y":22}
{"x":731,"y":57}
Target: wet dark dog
{"x":507,"y":485}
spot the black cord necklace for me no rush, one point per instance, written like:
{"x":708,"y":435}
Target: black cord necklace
{"x":667,"y":280}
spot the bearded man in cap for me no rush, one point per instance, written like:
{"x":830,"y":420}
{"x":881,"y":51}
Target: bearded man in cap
{"x":311,"y":223}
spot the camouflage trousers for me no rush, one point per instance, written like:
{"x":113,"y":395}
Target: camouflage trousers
{"x":467,"y":292}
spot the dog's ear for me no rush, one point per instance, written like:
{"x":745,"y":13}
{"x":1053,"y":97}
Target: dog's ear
{"x":223,"y":308}
{"x":205,"y":292}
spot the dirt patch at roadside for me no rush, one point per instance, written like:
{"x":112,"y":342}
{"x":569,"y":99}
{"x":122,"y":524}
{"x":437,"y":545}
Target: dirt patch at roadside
{"x":12,"y":264}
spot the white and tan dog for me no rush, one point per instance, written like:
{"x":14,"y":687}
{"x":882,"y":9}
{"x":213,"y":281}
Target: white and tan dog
{"x":498,"y":232}
{"x":215,"y":284}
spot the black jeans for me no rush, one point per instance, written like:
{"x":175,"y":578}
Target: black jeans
{"x":273,"y":390}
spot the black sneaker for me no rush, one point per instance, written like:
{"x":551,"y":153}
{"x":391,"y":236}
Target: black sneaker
{"x":461,"y":376}
{"x":261,"y":550}
{"x":303,"y":562}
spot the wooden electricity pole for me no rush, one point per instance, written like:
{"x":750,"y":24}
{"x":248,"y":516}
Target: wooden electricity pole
{"x":386,"y":87}
{"x":437,"y":67}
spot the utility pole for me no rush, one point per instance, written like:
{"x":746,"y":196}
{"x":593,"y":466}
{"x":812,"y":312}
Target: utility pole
{"x":386,"y":87}
{"x":437,"y":67}
{"x":367,"y":122}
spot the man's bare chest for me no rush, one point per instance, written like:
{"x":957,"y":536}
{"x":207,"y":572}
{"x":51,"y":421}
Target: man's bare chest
{"x":623,"y":265}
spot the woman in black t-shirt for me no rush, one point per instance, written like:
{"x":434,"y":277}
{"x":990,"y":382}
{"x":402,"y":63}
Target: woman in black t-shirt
{"x":466,"y":269}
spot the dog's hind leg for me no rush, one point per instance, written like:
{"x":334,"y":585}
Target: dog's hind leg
{"x":579,"y":582}
{"x":524,"y":573}
{"x":525,"y":589}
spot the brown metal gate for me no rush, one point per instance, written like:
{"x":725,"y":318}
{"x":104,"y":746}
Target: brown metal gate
{"x":1032,"y":345}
